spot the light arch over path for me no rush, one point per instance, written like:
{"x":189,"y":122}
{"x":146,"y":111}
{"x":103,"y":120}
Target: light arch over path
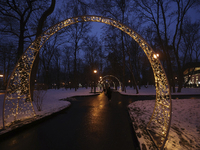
{"x":120,"y":85}
{"x":17,"y":101}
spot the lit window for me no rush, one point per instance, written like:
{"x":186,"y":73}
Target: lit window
{"x":192,"y":80}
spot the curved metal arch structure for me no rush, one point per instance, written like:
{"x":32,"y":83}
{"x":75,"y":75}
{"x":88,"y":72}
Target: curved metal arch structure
{"x":18,"y":103}
{"x":120,"y":85}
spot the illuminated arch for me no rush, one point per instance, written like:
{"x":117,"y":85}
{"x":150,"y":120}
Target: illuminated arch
{"x":120,"y":85}
{"x":18,"y":104}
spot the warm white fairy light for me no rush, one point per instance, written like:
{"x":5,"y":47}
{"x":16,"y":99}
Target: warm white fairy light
{"x":20,"y":78}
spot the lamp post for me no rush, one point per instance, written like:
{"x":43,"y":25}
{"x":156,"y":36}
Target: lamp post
{"x":95,"y":72}
{"x":100,"y":82}
{"x":156,"y":56}
{"x":100,"y":78}
{"x":129,"y":83}
{"x":1,"y":76}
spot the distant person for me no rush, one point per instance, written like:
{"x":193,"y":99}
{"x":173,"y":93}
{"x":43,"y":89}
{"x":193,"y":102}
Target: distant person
{"x":109,"y":93}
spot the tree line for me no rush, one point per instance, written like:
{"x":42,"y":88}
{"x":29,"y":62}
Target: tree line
{"x":70,"y":56}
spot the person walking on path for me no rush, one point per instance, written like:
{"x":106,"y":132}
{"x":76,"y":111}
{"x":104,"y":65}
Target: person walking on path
{"x":109,"y":93}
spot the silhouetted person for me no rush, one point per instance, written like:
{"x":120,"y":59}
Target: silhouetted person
{"x":109,"y":93}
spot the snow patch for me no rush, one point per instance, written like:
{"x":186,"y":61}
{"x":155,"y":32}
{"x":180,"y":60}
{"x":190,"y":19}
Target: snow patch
{"x":184,"y":132}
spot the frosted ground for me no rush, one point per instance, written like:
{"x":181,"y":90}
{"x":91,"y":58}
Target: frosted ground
{"x":185,"y":125}
{"x":51,"y":101}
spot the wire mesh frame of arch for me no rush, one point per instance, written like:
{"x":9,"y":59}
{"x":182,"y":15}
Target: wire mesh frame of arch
{"x":18,"y":103}
{"x":115,"y":78}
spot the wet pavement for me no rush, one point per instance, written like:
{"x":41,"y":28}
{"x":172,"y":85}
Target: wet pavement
{"x":91,"y":123}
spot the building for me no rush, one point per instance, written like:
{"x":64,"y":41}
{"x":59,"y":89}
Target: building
{"x":191,"y":73}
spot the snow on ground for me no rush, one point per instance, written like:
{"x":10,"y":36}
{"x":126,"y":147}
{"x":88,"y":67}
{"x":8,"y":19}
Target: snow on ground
{"x":51,"y":101}
{"x":185,"y":126}
{"x":52,"y":98}
{"x":152,"y":91}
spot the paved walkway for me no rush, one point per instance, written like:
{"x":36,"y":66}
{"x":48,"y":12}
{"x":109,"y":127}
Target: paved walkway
{"x":90,"y":123}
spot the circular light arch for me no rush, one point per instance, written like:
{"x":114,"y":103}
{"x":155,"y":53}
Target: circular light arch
{"x":120,"y":85}
{"x":18,"y":104}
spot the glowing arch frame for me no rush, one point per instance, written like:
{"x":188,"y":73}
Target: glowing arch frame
{"x":120,"y":85}
{"x":18,"y":104}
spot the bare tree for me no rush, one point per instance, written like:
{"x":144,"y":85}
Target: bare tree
{"x":91,"y":48}
{"x":39,"y":31}
{"x":166,"y":17}
{"x":182,"y":7}
{"x":15,"y":18}
{"x":47,"y":53}
{"x":113,"y":52}
{"x":76,"y":32}
{"x":7,"y":60}
{"x":116,"y":9}
{"x":190,"y":42}
{"x":39,"y":95}
{"x":67,"y":64}
{"x":131,"y":70}
{"x":190,"y":46}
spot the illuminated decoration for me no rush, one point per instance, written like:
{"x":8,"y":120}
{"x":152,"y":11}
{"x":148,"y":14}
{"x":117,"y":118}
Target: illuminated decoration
{"x":120,"y":85}
{"x":18,"y":103}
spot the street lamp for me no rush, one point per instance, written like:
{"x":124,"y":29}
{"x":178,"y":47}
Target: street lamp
{"x":100,"y":81}
{"x":156,"y":56}
{"x":1,"y":76}
{"x":95,"y":71}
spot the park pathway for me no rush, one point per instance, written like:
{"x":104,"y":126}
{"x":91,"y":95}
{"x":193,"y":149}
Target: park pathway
{"x":91,"y":123}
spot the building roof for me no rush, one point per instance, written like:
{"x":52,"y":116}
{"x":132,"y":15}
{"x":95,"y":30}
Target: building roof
{"x":191,"y":67}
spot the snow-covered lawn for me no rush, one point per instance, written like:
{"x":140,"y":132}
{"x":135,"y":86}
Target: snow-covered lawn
{"x":51,"y":102}
{"x":152,"y":91}
{"x":185,"y":126}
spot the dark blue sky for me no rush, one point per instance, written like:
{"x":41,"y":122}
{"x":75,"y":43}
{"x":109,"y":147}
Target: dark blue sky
{"x":96,"y":27}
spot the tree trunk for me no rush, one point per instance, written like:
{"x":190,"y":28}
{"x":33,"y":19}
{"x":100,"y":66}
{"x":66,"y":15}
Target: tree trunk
{"x":165,"y":45}
{"x":75,"y":60}
{"x":21,"y":40}
{"x":39,"y":32}
{"x":75,"y":70}
{"x":123,"y":80}
{"x":180,"y":81}
{"x":170,"y":74}
{"x":134,"y":81}
{"x":180,"y":75}
{"x":131,"y":70}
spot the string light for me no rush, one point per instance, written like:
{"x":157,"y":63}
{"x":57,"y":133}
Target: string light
{"x":18,"y":89}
